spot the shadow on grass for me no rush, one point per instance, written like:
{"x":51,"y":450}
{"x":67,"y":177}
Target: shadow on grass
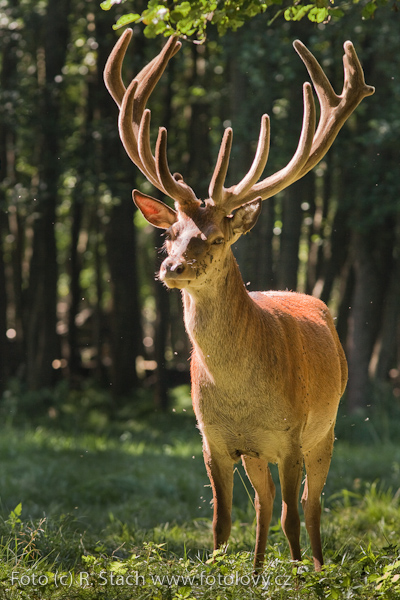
{"x":91,"y":484}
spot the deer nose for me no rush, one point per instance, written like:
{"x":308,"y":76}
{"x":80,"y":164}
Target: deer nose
{"x":173,"y":266}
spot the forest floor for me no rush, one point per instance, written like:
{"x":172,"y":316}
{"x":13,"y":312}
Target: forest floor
{"x":93,"y":508}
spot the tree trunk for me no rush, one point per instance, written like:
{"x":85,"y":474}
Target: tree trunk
{"x":198,"y":134}
{"x":126,"y":334}
{"x":125,"y":321}
{"x":371,"y":269}
{"x":74,"y":359}
{"x":3,"y":313}
{"x":390,"y":322}
{"x":344,"y":311}
{"x":290,"y":236}
{"x":265,"y":276}
{"x":42,"y":344}
{"x":339,"y":243}
{"x":319,"y":203}
{"x":8,"y":83}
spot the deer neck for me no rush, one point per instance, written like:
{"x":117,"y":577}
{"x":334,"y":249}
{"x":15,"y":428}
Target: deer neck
{"x":216,"y":314}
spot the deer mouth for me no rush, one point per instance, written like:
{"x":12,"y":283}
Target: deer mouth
{"x":174,"y":280}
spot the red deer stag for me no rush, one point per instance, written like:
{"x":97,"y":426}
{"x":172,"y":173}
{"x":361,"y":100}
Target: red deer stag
{"x":267,"y":368}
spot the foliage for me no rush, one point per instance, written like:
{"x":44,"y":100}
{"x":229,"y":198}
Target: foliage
{"x":152,"y":571}
{"x":163,"y":17}
{"x":188,"y":18}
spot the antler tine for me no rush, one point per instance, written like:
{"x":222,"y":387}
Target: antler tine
{"x":112,"y":70}
{"x":286,"y":176}
{"x":216,"y":188}
{"x":217,"y":192}
{"x":260,"y":160}
{"x":113,"y":67}
{"x":134,"y":118}
{"x":335,"y":109}
{"x":130,"y":140}
{"x":174,"y":186}
{"x":149,"y":77}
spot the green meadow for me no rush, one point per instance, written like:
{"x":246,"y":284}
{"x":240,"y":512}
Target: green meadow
{"x":100,"y":508}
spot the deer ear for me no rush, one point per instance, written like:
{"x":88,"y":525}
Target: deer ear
{"x":155,"y":212}
{"x":246,"y":217}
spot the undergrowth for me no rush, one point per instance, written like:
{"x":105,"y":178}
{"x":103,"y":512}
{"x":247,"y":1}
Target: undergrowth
{"x":46,"y":561}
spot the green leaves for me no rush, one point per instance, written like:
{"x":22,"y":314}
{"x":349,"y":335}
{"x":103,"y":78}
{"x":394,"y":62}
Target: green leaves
{"x":184,"y":19}
{"x":14,"y":516}
{"x":126,"y":20}
{"x":369,"y":9}
{"x":108,"y":4}
{"x":181,"y":11}
{"x":191,"y":18}
{"x":389,"y":582}
{"x":316,"y":14}
{"x":320,"y":11}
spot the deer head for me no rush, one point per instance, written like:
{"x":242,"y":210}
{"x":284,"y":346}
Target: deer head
{"x":199,"y":234}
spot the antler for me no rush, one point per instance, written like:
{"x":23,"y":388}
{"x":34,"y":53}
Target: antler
{"x":134,"y":128}
{"x":313,"y":145}
{"x":134,"y":118}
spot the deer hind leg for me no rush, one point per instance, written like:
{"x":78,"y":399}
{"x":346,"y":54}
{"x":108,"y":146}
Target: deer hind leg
{"x":317,"y":462}
{"x":290,"y":474}
{"x":260,"y":477}
{"x":220,"y":473}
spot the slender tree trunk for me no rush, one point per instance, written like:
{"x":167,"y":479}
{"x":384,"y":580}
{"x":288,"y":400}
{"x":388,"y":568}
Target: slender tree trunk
{"x":126,"y":326}
{"x":8,"y":83}
{"x":345,"y":308}
{"x":126,"y":334}
{"x":74,"y":359}
{"x":390,"y":324}
{"x":3,"y":312}
{"x":15,"y":224}
{"x":199,"y":147}
{"x":99,"y":327}
{"x":371,"y":264}
{"x":339,"y":244}
{"x":86,"y":168}
{"x":290,"y":237}
{"x":316,"y":235}
{"x":42,"y":344}
{"x":265,"y":276}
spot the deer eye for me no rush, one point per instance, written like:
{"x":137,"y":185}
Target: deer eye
{"x":217,"y":241}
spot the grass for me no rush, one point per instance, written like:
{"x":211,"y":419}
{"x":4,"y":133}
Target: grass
{"x":97,"y":509}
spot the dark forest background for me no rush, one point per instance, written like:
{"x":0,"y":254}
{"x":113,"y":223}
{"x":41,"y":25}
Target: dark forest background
{"x":79,"y":302}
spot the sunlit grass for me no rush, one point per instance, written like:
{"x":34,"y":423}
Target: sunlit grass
{"x":100,"y":499}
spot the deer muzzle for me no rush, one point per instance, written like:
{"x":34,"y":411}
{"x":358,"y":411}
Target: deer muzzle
{"x":174,"y":271}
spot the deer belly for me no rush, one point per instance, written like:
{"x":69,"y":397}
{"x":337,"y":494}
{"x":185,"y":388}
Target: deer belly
{"x":265,"y":444}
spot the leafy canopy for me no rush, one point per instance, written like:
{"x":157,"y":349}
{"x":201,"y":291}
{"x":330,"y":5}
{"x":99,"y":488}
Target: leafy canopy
{"x":185,"y":19}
